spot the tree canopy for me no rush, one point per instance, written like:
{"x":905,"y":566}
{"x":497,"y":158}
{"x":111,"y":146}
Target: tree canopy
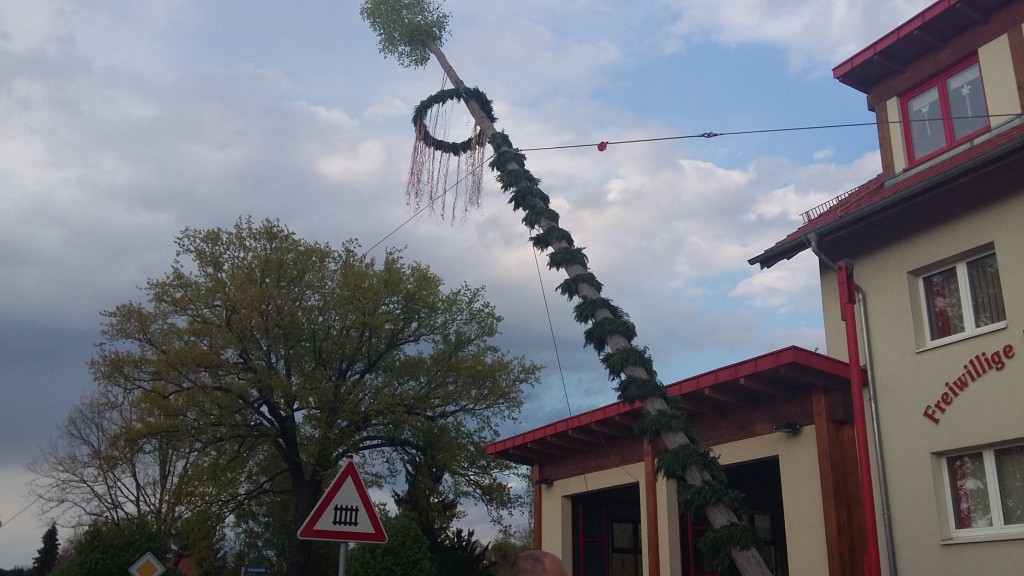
{"x":266,"y":359}
{"x":405,"y":27}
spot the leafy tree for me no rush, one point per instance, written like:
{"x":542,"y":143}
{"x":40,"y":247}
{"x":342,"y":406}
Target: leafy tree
{"x":408,"y":29}
{"x":46,"y":556}
{"x":110,"y":462}
{"x":404,"y":554}
{"x":107,"y":548}
{"x":278,"y":356}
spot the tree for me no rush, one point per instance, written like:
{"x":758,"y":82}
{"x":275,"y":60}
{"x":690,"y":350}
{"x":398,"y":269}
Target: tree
{"x":416,"y":27}
{"x":109,"y":462}
{"x":46,"y":556}
{"x":278,"y":357}
{"x":106,"y":548}
{"x":404,"y":554}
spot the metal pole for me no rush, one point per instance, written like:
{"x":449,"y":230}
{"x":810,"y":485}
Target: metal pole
{"x":342,"y":556}
{"x":847,"y":302}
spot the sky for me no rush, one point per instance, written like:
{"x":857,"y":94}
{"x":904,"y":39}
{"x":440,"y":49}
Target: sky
{"x":123,"y":122}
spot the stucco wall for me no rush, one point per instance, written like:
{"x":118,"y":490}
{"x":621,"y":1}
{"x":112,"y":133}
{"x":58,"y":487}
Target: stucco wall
{"x":801,"y":493}
{"x":801,"y":488}
{"x":1000,"y":94}
{"x":910,"y":377}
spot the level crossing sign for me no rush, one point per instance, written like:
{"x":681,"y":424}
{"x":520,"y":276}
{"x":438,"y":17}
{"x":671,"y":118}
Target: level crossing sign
{"x":345,"y":512}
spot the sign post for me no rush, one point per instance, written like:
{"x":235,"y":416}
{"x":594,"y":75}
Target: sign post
{"x":344,"y":514}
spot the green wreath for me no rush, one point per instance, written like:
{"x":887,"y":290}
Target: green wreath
{"x":454,"y":148}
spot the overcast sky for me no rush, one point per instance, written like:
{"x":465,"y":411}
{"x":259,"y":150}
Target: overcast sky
{"x":123,"y":122}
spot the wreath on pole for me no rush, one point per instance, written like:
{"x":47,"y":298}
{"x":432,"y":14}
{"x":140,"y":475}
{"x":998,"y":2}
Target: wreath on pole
{"x":429,"y":180}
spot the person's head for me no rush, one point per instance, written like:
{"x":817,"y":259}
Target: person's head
{"x":537,"y":563}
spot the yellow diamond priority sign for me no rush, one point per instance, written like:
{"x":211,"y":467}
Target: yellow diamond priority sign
{"x":148,"y":565}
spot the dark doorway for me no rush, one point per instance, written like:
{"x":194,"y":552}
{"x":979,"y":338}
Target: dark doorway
{"x":761,"y":483}
{"x":606,"y":533}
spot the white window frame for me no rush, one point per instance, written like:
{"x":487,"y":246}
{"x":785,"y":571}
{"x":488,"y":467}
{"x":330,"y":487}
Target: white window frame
{"x":966,"y":300}
{"x":999,"y":530}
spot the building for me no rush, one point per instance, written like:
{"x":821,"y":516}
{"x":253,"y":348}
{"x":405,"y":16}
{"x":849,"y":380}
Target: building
{"x":780,"y":423}
{"x":931,"y":260}
{"x":937,"y":251}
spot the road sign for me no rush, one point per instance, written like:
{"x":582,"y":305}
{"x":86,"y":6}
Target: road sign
{"x":148,"y":565}
{"x":345,"y":512}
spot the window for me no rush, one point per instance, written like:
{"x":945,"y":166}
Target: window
{"x":985,"y":491}
{"x":963,"y":298}
{"x":946,"y":111}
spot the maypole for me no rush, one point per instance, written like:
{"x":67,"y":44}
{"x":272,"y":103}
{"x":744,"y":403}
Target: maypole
{"x":412,"y":31}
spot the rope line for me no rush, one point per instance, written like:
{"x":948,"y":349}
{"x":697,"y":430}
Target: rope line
{"x":708,"y":135}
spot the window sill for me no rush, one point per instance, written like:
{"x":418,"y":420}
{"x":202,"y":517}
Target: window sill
{"x":963,"y":336}
{"x":989,"y":537}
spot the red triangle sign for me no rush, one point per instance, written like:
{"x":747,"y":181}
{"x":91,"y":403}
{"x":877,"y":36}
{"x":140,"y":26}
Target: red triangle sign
{"x":345,"y":512}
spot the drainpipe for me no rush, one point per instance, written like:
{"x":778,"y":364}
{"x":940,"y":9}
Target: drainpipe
{"x":876,"y":430}
{"x":848,"y":292}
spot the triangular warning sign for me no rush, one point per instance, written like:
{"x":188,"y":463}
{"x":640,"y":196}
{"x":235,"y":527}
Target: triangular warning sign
{"x":344,"y":512}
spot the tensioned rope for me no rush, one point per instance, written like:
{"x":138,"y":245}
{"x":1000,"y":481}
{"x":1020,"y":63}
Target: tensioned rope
{"x":708,"y":135}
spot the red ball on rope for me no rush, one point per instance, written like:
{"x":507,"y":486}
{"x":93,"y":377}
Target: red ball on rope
{"x":602,"y":146}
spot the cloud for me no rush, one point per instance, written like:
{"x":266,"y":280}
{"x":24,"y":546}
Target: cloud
{"x":816,"y":36}
{"x":125,"y":123}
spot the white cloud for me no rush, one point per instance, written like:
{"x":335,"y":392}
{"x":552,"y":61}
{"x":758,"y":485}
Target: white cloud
{"x":816,"y":35}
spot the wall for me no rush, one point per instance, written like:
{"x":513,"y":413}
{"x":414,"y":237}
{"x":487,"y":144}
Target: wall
{"x":1001,"y":94}
{"x":910,"y":378}
{"x":798,"y":465}
{"x":801,"y":493}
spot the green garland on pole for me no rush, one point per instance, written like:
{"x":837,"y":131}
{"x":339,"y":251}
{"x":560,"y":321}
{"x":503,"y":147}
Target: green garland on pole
{"x":419,"y":116}
{"x":525,"y":195}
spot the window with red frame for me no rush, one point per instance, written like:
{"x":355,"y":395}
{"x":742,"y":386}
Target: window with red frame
{"x":946,"y":111}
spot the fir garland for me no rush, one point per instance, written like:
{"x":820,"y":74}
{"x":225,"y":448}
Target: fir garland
{"x":454,"y":148}
{"x":605,"y":321}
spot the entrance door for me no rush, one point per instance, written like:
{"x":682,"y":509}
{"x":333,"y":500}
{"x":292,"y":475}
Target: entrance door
{"x":761,"y":484}
{"x":606,"y":533}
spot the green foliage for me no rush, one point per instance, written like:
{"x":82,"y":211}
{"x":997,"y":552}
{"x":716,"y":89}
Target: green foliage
{"x":404,"y":554}
{"x":106,"y":548}
{"x":570,"y":287}
{"x":461,"y":553}
{"x":718,"y":543}
{"x":419,"y":119}
{"x":630,"y":365}
{"x":405,"y":28}
{"x":618,"y":361}
{"x":633,"y":389}
{"x":47,"y":554}
{"x":600,"y":331}
{"x":566,"y":257}
{"x":550,"y":236}
{"x":276,"y":357}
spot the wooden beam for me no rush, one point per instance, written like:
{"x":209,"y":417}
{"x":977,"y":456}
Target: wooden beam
{"x":765,"y":386}
{"x":585,"y":435}
{"x":804,"y":376}
{"x":543,"y":446}
{"x":612,"y":428}
{"x":537,"y":509}
{"x":735,"y":398}
{"x":840,"y":494}
{"x":650,"y":487}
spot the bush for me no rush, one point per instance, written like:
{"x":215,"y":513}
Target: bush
{"x":404,"y":554}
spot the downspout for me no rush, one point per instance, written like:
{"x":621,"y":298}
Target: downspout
{"x":848,"y":295}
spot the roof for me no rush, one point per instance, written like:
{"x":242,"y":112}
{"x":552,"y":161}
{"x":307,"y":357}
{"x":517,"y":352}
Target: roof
{"x":931,"y":28}
{"x":880,"y":195}
{"x":742,"y":384}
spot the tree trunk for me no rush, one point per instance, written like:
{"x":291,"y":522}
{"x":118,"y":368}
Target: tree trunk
{"x":306,"y":493}
{"x":748,"y":560}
